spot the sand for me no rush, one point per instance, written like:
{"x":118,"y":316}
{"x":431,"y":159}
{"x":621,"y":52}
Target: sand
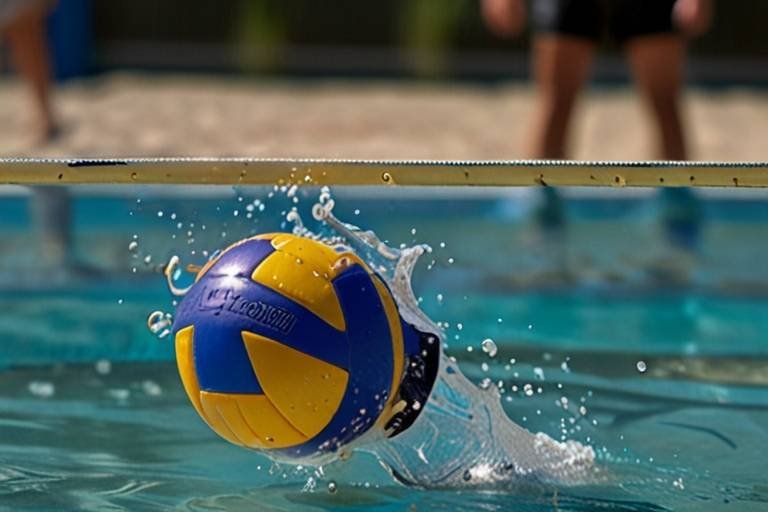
{"x":157,"y":115}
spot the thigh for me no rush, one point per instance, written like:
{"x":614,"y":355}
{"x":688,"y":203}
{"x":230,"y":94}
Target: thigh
{"x":561,"y":63}
{"x":657,"y":62}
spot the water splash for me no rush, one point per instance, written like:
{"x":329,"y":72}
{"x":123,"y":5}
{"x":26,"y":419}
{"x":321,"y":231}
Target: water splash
{"x":172,"y":273}
{"x":463,"y":438}
{"x":159,"y":323}
{"x":395,"y":266}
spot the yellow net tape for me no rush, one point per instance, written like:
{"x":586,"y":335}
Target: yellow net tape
{"x":262,"y":171}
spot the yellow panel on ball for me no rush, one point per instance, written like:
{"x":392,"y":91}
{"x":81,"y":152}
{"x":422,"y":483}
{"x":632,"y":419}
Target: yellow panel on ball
{"x":310,"y":396}
{"x":302,"y":270}
{"x":252,"y":419}
{"x":185,"y":360}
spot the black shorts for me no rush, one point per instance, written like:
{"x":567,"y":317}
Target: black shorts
{"x":592,"y":19}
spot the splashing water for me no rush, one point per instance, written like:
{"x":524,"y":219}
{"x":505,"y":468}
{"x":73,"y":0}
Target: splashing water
{"x":462,"y":438}
{"x":159,"y":323}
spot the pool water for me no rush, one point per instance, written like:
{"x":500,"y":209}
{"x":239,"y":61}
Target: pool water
{"x":607,"y":334}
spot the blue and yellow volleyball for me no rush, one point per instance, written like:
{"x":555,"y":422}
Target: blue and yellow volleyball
{"x":288,"y":345}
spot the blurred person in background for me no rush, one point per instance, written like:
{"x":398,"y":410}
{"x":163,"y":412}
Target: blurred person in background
{"x":654,"y":35}
{"x":23,"y":26}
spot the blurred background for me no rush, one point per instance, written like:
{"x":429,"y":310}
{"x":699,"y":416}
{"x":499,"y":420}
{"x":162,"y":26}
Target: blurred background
{"x":394,"y":79}
{"x":398,"y":79}
{"x":646,"y":307}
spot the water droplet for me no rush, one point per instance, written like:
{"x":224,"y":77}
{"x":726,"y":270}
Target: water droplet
{"x":528,"y":390}
{"x":642,"y":367}
{"x":133,"y":246}
{"x":119,"y":301}
{"x":484,"y":367}
{"x":332,"y":487}
{"x":160,"y":213}
{"x":440,"y":298}
{"x":357,"y":212}
{"x":539,"y":373}
{"x":416,"y":405}
{"x":159,"y":323}
{"x":489,"y":347}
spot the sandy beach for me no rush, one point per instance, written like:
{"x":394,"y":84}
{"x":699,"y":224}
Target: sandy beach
{"x":158,"y":115}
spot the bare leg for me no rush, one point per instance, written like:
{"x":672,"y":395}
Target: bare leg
{"x":29,"y":48}
{"x":561,"y":67}
{"x":657,"y":64}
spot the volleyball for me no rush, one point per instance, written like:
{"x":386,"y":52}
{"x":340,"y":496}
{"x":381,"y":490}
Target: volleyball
{"x":288,"y":345}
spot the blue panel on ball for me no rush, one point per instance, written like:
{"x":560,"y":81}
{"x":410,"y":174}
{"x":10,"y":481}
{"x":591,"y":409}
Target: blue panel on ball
{"x":411,"y":339}
{"x":242,"y":260}
{"x":371,"y":363}
{"x":225,"y":302}
{"x":218,"y":345}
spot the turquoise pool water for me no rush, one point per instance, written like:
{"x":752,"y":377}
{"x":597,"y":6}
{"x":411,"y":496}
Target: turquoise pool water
{"x":92,"y":414}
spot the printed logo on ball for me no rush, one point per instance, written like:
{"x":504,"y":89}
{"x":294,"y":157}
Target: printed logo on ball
{"x":227,"y":300}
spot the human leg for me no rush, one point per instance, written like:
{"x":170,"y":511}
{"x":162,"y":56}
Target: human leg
{"x":657,"y":63}
{"x":560,"y":67}
{"x":29,"y":50}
